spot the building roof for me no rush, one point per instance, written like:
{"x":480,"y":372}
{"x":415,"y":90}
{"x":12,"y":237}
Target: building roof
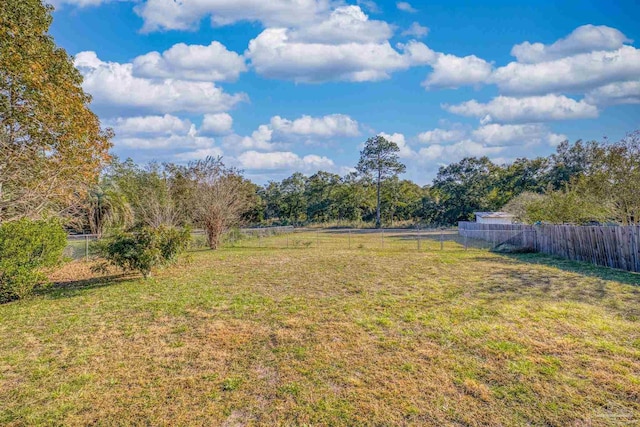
{"x":494,"y":214}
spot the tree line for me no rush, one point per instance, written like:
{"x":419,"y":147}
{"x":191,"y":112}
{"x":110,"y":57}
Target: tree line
{"x":580,"y":183}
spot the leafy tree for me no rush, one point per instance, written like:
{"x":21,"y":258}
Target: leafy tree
{"x":255,"y":213}
{"x":520,"y":176}
{"x":271,"y":194}
{"x":570,"y":162}
{"x":380,"y":159}
{"x":614,"y":178}
{"x":355,"y":198}
{"x":401,"y":200}
{"x":320,"y":193}
{"x":568,"y":206}
{"x":519,"y":205}
{"x":465,"y":187}
{"x":51,"y":144}
{"x":429,"y":210}
{"x":294,"y":202}
{"x":409,"y":200}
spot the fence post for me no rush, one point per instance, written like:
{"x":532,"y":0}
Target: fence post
{"x":318,"y":238}
{"x":382,"y":231}
{"x":419,"y":238}
{"x":465,"y":241}
{"x":349,"y":239}
{"x":86,"y":248}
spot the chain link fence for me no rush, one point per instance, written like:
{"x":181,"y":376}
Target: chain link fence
{"x":288,"y":237}
{"x":375,"y":239}
{"x":79,"y":246}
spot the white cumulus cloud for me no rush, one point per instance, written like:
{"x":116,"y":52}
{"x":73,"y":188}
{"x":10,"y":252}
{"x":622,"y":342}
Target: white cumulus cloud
{"x":150,"y":125}
{"x":325,"y":126}
{"x":454,"y":152}
{"x":406,"y":7}
{"x":586,"y":38}
{"x":416,"y":30}
{"x":284,"y":160}
{"x":345,"y":24}
{"x":615,"y":93}
{"x":523,"y":134}
{"x":346,"y":47}
{"x":191,"y":62}
{"x":400,"y":140}
{"x":450,"y":71}
{"x":217,"y":124}
{"x":174,"y":142}
{"x":574,"y":74}
{"x":114,"y":87}
{"x":199,"y":153}
{"x":186,"y":15}
{"x":505,"y":109}
{"x":438,"y":135}
{"x":260,"y":139}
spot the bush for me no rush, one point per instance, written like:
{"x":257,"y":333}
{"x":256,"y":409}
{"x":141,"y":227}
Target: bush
{"x":144,"y":249}
{"x":26,"y":247}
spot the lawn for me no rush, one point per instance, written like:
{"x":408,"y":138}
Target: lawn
{"x":280,"y":331}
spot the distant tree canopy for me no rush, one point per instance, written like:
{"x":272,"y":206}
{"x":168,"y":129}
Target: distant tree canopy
{"x":587,"y":183}
{"x":51,"y":144}
{"x":580,"y":183}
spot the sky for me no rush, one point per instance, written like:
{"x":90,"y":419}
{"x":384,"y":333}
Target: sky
{"x":281,"y":86}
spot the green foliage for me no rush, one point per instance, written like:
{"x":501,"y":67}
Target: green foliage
{"x":107,"y":207}
{"x":569,"y":206}
{"x":466,"y":187}
{"x":379,"y":158}
{"x":25,"y":248}
{"x":51,"y":144}
{"x":614,"y":178}
{"x":155,"y":199}
{"x":144,"y":249}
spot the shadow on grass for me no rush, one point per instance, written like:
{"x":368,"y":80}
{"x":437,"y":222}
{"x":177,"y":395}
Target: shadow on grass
{"x":578,"y":267}
{"x":71,"y":288}
{"x":508,"y":280}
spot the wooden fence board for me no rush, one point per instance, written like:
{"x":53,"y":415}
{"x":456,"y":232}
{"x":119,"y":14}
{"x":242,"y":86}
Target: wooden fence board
{"x":609,"y":246}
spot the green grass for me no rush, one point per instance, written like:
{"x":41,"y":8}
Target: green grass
{"x":326,"y":335}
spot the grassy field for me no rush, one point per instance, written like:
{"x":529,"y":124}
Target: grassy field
{"x":272,"y":332}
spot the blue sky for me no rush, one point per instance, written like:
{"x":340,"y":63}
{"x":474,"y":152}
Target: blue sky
{"x":282,"y":86}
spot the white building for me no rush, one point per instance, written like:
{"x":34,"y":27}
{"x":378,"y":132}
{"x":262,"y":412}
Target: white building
{"x":494,"y":218}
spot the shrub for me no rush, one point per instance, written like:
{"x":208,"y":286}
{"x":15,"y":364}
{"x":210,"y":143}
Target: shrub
{"x":172,"y":242}
{"x":26,"y":247}
{"x":144,"y":249}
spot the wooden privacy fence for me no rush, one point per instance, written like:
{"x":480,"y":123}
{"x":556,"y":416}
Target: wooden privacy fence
{"x":609,"y":246}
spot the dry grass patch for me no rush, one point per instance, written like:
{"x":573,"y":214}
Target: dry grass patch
{"x":329,"y":336}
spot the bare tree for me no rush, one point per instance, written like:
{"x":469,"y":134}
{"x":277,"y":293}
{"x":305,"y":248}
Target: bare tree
{"x":220,"y":197}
